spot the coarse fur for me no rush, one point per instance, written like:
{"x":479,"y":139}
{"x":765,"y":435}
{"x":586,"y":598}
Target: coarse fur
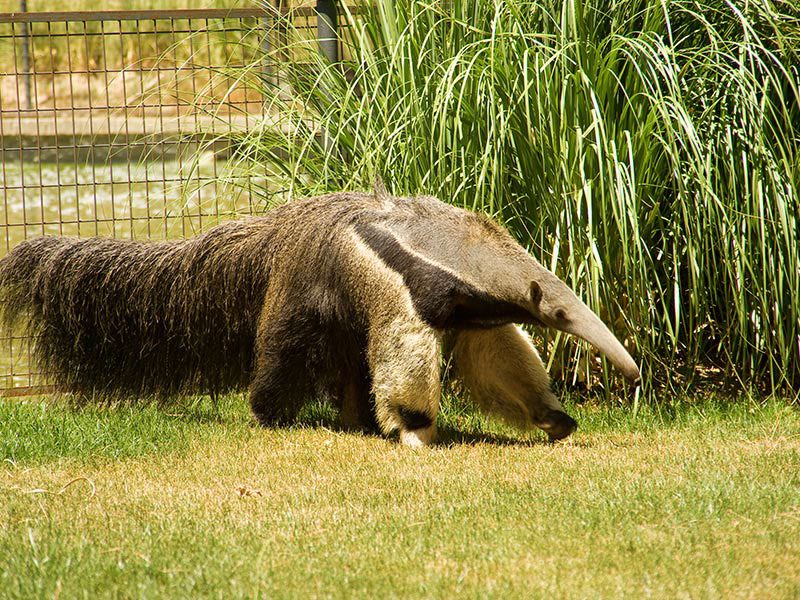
{"x":348,"y":296}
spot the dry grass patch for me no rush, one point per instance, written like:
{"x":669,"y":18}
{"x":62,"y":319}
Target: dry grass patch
{"x":704,"y":506}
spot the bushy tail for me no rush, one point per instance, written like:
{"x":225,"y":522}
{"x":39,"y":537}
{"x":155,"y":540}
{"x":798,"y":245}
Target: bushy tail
{"x":18,"y":272}
{"x":116,"y":318}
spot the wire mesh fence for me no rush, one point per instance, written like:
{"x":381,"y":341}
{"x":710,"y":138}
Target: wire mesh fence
{"x":122,"y":124}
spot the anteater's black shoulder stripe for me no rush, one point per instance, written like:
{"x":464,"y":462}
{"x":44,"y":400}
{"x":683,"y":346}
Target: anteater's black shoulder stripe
{"x":441,"y":299}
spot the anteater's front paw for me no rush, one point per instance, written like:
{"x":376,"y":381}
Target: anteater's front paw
{"x":558,"y":425}
{"x":418,"y":438}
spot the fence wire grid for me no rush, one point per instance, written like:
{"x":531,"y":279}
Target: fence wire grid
{"x":114,"y":124}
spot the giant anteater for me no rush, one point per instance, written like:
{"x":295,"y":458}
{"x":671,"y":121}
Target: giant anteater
{"x":350,"y":295}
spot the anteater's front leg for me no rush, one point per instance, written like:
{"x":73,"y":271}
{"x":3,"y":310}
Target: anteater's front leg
{"x":506,"y":377}
{"x":404,"y":356}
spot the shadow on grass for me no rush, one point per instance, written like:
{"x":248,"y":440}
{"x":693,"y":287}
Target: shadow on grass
{"x":449,"y":436}
{"x":466,"y":428}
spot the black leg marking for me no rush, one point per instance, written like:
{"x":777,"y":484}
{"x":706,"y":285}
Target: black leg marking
{"x":414,"y":419}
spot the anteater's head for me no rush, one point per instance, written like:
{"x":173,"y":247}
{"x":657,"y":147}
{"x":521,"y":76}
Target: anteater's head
{"x":496,"y":280}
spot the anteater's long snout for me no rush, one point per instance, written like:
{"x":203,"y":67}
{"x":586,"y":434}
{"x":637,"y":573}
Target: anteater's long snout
{"x":557,"y":306}
{"x":590,"y":328}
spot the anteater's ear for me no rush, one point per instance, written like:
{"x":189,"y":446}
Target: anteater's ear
{"x":379,"y":189}
{"x":536,"y":294}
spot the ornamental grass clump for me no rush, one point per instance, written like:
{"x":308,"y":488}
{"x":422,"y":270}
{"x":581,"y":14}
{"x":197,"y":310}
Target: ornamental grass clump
{"x":646,"y":151}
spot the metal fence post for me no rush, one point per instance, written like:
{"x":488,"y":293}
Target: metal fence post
{"x":274,"y":12}
{"x":26,"y":57}
{"x":327,"y":25}
{"x":327,"y":22}
{"x":266,"y":46}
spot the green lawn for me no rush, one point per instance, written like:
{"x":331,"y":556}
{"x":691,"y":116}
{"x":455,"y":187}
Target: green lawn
{"x":692,"y":501}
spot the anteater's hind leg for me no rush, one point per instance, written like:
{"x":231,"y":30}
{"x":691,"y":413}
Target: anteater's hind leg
{"x":404,"y":356}
{"x":506,"y":377}
{"x":356,"y":412}
{"x":280,"y":384}
{"x":273,"y":399}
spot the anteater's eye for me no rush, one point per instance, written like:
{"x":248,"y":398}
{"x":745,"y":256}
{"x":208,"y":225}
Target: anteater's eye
{"x":561,"y":314}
